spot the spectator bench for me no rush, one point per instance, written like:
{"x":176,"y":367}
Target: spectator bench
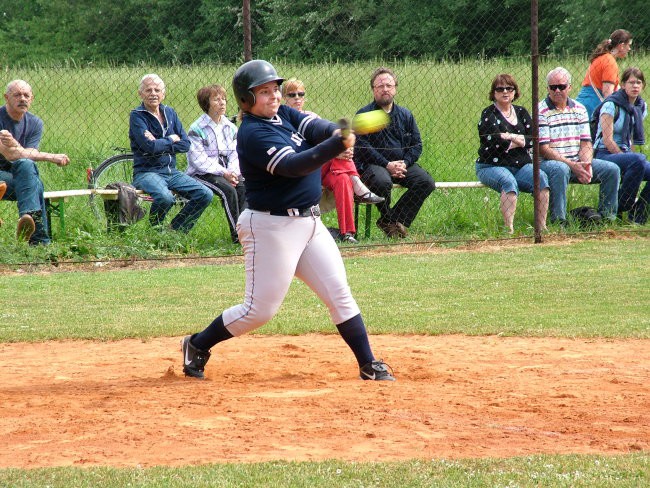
{"x":439,"y":186}
{"x":55,"y":201}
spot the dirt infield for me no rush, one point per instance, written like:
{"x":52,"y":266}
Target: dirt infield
{"x":298,"y":398}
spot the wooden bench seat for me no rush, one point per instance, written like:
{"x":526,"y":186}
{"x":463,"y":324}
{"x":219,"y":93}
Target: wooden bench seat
{"x":55,"y":201}
{"x":439,"y":186}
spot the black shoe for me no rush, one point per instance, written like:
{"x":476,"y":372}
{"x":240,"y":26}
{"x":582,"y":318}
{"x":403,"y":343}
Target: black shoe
{"x":334,"y":232}
{"x":369,"y":198}
{"x":376,"y":371}
{"x":194,"y":359}
{"x":348,"y":238}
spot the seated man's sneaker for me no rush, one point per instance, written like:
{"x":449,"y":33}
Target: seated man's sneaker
{"x":194,"y":359}
{"x":26,"y":228}
{"x":376,"y":371}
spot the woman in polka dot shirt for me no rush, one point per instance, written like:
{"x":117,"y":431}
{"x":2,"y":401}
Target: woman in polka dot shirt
{"x":504,"y":163}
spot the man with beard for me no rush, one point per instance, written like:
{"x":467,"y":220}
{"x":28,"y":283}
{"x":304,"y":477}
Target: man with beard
{"x":20,"y":136}
{"x":390,"y":156}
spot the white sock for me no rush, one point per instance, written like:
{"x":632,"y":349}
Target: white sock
{"x":359,"y":188}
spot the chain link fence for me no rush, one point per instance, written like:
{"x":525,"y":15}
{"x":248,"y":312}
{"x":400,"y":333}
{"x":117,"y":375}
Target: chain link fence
{"x":85,"y":69}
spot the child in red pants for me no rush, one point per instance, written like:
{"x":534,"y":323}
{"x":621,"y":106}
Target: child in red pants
{"x":340,"y":176}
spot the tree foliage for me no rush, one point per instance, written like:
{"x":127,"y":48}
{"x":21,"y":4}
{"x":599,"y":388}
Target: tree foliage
{"x":585,"y":23}
{"x":168,"y":31}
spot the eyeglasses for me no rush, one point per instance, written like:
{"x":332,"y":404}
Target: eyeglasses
{"x":386,"y":86}
{"x":561,"y":87}
{"x":296,"y":94}
{"x":501,"y":89}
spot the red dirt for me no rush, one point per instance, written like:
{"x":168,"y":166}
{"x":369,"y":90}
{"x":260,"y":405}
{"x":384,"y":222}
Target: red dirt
{"x":298,"y":398}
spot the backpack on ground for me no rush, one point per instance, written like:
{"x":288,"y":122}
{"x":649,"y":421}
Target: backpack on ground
{"x":586,"y":216}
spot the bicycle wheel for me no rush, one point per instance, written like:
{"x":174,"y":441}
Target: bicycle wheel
{"x":115,"y":169}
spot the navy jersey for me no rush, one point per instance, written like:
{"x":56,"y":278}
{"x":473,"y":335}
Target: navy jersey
{"x":280,"y":158}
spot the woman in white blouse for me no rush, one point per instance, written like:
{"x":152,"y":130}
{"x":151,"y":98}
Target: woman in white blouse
{"x":212,"y":158}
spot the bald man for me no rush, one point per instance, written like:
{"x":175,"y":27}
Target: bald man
{"x":20,"y":136}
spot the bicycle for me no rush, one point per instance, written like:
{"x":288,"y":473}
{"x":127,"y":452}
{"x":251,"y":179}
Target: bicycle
{"x":117,"y":168}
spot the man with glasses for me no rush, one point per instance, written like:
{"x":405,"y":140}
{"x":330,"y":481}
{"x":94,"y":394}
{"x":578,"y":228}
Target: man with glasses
{"x":390,"y":156}
{"x":566,"y":150}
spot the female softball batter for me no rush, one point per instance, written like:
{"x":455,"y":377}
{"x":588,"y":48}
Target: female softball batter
{"x":280,"y":152}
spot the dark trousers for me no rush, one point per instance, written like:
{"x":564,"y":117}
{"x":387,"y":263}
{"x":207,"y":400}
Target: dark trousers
{"x":233,"y":198}
{"x":419,"y":186}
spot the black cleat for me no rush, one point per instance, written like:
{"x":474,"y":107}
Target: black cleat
{"x":376,"y":371}
{"x":194,"y":359}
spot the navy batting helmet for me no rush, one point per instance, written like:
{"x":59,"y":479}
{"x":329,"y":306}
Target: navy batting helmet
{"x":248,"y":76}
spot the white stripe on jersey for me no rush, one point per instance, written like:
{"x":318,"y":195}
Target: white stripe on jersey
{"x":278,"y":157}
{"x":305,"y":122}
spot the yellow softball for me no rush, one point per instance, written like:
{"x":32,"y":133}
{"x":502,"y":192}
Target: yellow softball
{"x":369,"y":122}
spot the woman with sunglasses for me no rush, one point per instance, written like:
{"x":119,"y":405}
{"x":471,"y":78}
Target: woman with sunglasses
{"x":293,"y":93}
{"x":504,"y":163}
{"x":601,"y":79}
{"x":339,"y":175}
{"x":620,"y":128}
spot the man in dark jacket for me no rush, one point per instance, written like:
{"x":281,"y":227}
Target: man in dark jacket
{"x":157,"y":135}
{"x":390,"y":156}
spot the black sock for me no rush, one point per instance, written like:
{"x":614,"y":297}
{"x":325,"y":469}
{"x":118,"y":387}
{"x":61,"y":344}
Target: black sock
{"x":354,"y":334}
{"x":213,"y":334}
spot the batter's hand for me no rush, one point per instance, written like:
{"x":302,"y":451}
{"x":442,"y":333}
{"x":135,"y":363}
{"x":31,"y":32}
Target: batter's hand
{"x":347,"y":141}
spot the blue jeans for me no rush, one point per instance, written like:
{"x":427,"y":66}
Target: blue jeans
{"x":632,"y":167}
{"x":160,"y":187}
{"x":559,"y":175}
{"x":509,"y":179}
{"x":639,"y":211}
{"x":24,"y":186}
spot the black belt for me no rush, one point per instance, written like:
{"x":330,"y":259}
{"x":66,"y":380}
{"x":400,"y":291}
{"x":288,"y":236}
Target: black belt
{"x":313,"y":211}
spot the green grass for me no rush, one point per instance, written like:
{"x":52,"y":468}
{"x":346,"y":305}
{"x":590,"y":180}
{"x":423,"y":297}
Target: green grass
{"x":592,"y":288}
{"x":86,"y":113}
{"x":632,"y":470}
